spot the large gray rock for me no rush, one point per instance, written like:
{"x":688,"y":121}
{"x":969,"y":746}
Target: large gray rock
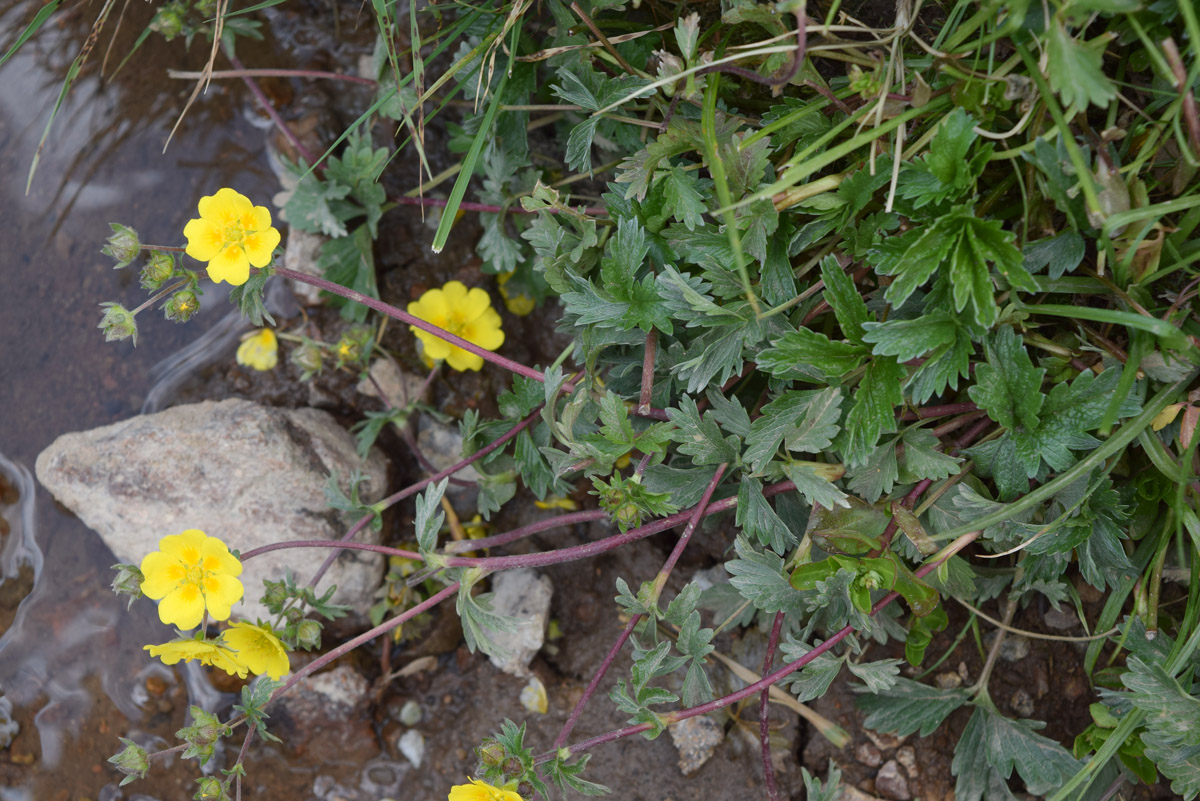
{"x":523,"y":595}
{"x":249,"y":474}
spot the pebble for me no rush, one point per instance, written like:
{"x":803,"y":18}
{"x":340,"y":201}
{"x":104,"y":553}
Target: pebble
{"x":884,"y":740}
{"x":907,"y":757}
{"x":1061,"y":619}
{"x":412,"y":745}
{"x":696,"y":739}
{"x":410,"y":713}
{"x":1022,"y":703}
{"x":890,"y":782}
{"x":868,"y":754}
{"x":948,"y":680}
{"x":848,"y":792}
{"x":1014,"y":648}
{"x":8,"y":727}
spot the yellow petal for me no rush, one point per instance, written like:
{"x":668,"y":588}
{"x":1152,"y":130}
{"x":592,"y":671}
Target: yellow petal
{"x":435,"y":346}
{"x":260,"y":246}
{"x":213,"y":547}
{"x":220,"y":594}
{"x":260,"y":351}
{"x":432,"y":308}
{"x":230,"y":265}
{"x":204,"y":239}
{"x":463,"y":360}
{"x":474,"y":304}
{"x":162,"y":574}
{"x":225,"y":206}
{"x":455,"y":293}
{"x":183,"y":607}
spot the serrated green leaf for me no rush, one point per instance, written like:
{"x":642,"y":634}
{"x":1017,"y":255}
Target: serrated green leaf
{"x":843,"y":297}
{"x":815,"y":488}
{"x":700,"y":437}
{"x":1008,"y":387}
{"x":812,"y":680}
{"x":873,"y":411}
{"x":426,"y":524}
{"x":1076,"y":68}
{"x":806,"y":347}
{"x":910,"y":706}
{"x":759,"y":577}
{"x":758,"y":519}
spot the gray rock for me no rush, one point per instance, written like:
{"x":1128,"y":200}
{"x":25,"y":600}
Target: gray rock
{"x":411,"y":713}
{"x":397,"y":387}
{"x":890,"y":782}
{"x":848,"y":792}
{"x":300,"y":254}
{"x":524,"y":595}
{"x":1061,"y":619}
{"x":948,"y":680}
{"x":326,"y":715}
{"x":249,"y":474}
{"x":442,"y":445}
{"x":696,"y":739}
{"x":1014,"y":648}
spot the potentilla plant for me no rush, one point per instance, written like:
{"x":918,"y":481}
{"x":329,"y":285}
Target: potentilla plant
{"x":915,"y":307}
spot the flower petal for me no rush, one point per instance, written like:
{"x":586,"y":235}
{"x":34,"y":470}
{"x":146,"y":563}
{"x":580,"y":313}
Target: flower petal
{"x":183,"y":607}
{"x":474,"y":305}
{"x":435,"y":346}
{"x":226,"y":206}
{"x":204,"y":239}
{"x":455,"y":293}
{"x":214,"y":548}
{"x":162,"y":572}
{"x":260,"y":246}
{"x":221,"y":592}
{"x":230,"y":265}
{"x":462,"y":360}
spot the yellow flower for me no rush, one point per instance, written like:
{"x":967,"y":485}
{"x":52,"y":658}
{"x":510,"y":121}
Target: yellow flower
{"x":519,"y":304}
{"x":209,"y":652}
{"x":557,"y":502}
{"x":231,"y":234}
{"x":469,"y":314}
{"x":258,"y":649}
{"x":260,"y":350}
{"x":481,"y":791}
{"x":191,"y":572}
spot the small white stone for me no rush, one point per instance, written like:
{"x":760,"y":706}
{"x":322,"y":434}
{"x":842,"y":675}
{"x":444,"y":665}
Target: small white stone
{"x":412,"y":745}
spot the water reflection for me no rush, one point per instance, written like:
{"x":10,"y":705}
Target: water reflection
{"x":70,"y":636}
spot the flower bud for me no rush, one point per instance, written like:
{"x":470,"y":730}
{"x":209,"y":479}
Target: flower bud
{"x":128,"y":582}
{"x":117,"y":323}
{"x":210,"y":788}
{"x":513,"y":767}
{"x":491,"y":753}
{"x":182,"y":305}
{"x":275,"y":596}
{"x":123,"y":245}
{"x":308,"y":357}
{"x":525,"y":790}
{"x":158,"y":269}
{"x":353,"y":347}
{"x":169,"y":20}
{"x":131,"y":761}
{"x":308,"y":634}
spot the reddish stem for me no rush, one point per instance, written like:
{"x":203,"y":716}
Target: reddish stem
{"x":758,"y":686}
{"x":650,"y":351}
{"x":412,"y":489}
{"x":526,"y":531}
{"x":416,"y":322}
{"x":263,"y":101}
{"x":659,"y":581}
{"x":945,"y":410}
{"x":598,"y":547}
{"x":764,"y":712}
{"x":340,"y":544}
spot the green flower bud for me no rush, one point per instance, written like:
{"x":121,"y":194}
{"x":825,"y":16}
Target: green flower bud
{"x":309,"y":358}
{"x":207,"y":8}
{"x":210,"y":788}
{"x":123,"y":245}
{"x":491,"y":753}
{"x":182,"y":305}
{"x":354,"y":346}
{"x":308,"y":634}
{"x":275,"y":596}
{"x":525,"y":790}
{"x":117,"y":323}
{"x":158,"y":269}
{"x":128,"y":582}
{"x":131,"y":761}
{"x":169,"y":20}
{"x":513,"y":767}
